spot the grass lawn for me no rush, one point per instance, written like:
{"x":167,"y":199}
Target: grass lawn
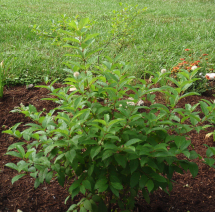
{"x":164,"y":30}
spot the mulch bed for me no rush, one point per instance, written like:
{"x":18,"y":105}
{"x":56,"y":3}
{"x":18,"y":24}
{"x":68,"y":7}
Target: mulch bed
{"x":189,"y":194}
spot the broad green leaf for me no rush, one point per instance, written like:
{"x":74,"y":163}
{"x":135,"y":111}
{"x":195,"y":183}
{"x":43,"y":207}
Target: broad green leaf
{"x":146,"y":195}
{"x":87,"y":184}
{"x":100,"y":121}
{"x":15,"y":154}
{"x":83,"y":22}
{"x":117,"y":186}
{"x":82,"y":209}
{"x":115,"y":191}
{"x":34,"y":175}
{"x":42,"y":175}
{"x":132,"y":141}
{"x":14,"y":179}
{"x":87,"y":205}
{"x":12,"y":146}
{"x":82,"y":189}
{"x":193,"y":169}
{"x":121,"y":160}
{"x":143,"y":181}
{"x":158,"y":177}
{"x":36,"y":183}
{"x":21,"y":150}
{"x":70,"y":155}
{"x":12,"y":166}
{"x":101,"y":185}
{"x":193,"y":155}
{"x":48,"y":177}
{"x":107,"y":154}
{"x":95,"y":151}
{"x":134,"y":165}
{"x":72,"y":207}
{"x":134,"y":179}
{"x":209,"y":161}
{"x":204,"y":108}
{"x":150,"y":185}
{"x":90,"y":170}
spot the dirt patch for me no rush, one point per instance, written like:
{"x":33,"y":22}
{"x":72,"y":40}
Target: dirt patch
{"x":189,"y":194}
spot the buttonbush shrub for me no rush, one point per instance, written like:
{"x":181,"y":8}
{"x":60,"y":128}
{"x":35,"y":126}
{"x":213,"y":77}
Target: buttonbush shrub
{"x":100,"y":139}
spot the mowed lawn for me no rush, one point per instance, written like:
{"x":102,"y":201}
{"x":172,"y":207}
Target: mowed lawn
{"x":162,"y":34}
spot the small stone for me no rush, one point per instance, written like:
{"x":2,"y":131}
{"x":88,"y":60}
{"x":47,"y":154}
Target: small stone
{"x":19,"y":210}
{"x":44,"y":188}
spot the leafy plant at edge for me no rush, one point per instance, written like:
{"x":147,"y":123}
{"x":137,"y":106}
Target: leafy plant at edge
{"x":1,"y":79}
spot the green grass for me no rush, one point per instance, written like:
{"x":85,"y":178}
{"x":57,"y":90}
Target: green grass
{"x":164,"y":30}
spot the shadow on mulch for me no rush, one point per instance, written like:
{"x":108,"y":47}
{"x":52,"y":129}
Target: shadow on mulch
{"x":189,"y":194}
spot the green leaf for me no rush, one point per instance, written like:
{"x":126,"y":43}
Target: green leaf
{"x":82,"y":209}
{"x":117,"y":185}
{"x":134,"y":179}
{"x":115,"y":191}
{"x":36,"y":183}
{"x":193,"y":169}
{"x":15,"y":154}
{"x":95,"y":151}
{"x":82,"y":189}
{"x":70,"y":155}
{"x":146,"y":195}
{"x":48,"y":177}
{"x":158,"y":177}
{"x":209,"y":161}
{"x":150,"y":185}
{"x":87,"y":184}
{"x":75,"y":192}
{"x":100,"y":121}
{"x":21,"y":150}
{"x":90,"y":170}
{"x":204,"y":107}
{"x":12,"y":146}
{"x":72,"y":207}
{"x":134,"y":165}
{"x":42,"y":175}
{"x":83,"y":22}
{"x":132,"y":141}
{"x":193,"y":155}
{"x":34,"y":175}
{"x":101,"y":185}
{"x":107,"y":154}
{"x":121,"y":160}
{"x":143,"y":181}
{"x":87,"y":205}
{"x":12,"y":166}
{"x":61,"y":178}
{"x":14,"y":179}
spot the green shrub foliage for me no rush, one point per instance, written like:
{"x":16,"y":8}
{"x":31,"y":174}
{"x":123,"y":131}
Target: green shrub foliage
{"x":100,"y":139}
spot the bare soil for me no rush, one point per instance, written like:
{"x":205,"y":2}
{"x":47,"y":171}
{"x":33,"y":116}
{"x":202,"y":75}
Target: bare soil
{"x":189,"y":194}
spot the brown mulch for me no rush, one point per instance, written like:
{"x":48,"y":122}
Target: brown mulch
{"x":189,"y":194}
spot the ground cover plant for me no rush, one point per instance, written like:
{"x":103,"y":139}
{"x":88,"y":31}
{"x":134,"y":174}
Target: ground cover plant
{"x":101,"y":139}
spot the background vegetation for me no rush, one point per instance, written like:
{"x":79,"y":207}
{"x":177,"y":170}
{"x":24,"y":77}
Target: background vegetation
{"x":158,"y":41}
